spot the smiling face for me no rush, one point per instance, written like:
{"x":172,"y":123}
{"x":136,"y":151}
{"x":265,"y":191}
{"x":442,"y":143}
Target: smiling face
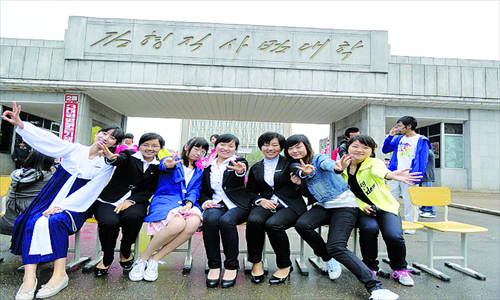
{"x":106,"y":138}
{"x":271,"y":149}
{"x":359,"y":151}
{"x":128,"y":141}
{"x":297,"y":151}
{"x":225,"y":150}
{"x":150,"y":149}
{"x":195,"y":153}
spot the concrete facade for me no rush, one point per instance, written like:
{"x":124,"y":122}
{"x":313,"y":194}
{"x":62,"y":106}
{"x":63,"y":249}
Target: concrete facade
{"x":260,"y":74}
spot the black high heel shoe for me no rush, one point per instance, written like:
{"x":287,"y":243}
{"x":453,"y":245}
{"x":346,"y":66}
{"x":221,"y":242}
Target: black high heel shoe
{"x":229,"y":283}
{"x":212,"y":283}
{"x":98,"y":272}
{"x":278,"y":280}
{"x":257,"y":278}
{"x":127,"y":265}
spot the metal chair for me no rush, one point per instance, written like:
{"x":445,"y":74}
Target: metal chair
{"x":440,"y":196}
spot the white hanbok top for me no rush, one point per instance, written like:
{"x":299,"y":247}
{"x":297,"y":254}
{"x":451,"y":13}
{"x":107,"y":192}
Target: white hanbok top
{"x":75,"y":160}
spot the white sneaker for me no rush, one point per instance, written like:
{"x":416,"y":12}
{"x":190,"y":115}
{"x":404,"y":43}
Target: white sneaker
{"x":427,"y":215}
{"x":383,"y":294}
{"x":410,"y":231}
{"x":137,"y":272}
{"x":151,"y":273}
{"x":404,"y":277}
{"x":333,"y":269}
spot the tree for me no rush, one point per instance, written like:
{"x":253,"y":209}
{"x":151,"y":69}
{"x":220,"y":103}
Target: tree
{"x":254,"y":157}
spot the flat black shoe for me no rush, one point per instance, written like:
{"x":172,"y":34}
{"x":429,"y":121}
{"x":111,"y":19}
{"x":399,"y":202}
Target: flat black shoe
{"x":257,"y":278}
{"x":278,"y":280}
{"x":100,"y":272}
{"x":127,"y":265}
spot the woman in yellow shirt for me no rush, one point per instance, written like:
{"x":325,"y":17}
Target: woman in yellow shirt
{"x":366,"y":176}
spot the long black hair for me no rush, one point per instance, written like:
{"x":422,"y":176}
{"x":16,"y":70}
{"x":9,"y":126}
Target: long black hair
{"x":193,"y":142}
{"x":39,"y":162}
{"x":297,"y":139}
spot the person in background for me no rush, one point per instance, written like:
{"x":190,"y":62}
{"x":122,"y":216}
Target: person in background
{"x":26,"y":184}
{"x":226,"y":204}
{"x":410,"y":150}
{"x":341,"y":150}
{"x":128,"y":143}
{"x":174,"y":214}
{"x":427,"y":180}
{"x":125,"y":200}
{"x":20,"y":154}
{"x":213,"y":138}
{"x":42,"y":231}
{"x":366,"y":176}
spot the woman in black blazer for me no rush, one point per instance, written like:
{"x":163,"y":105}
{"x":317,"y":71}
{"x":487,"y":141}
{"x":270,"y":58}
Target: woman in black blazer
{"x":277,"y":204}
{"x":226,"y":204}
{"x":125,"y":200}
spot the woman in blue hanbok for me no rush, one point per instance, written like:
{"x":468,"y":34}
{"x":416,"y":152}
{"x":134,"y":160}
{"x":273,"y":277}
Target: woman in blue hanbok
{"x":41,"y":232}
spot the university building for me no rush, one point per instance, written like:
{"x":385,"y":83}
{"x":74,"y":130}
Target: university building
{"x":247,"y":132}
{"x":106,"y":70}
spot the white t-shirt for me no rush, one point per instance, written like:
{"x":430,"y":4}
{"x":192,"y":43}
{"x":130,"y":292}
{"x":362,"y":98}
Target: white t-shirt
{"x":406,"y":151}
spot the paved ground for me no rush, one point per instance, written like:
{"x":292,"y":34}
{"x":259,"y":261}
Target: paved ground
{"x":483,"y":256}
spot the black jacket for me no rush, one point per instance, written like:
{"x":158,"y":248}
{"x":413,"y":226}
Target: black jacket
{"x":342,"y":149}
{"x":233,"y":186}
{"x":284,"y":188}
{"x":128,"y":176}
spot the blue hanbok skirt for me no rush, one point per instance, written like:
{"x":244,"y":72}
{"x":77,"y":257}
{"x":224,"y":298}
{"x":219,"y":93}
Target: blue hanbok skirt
{"x":61,"y":225}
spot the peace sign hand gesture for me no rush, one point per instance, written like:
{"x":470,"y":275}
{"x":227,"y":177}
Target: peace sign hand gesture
{"x":170,"y":162}
{"x":106,"y":152}
{"x":306,"y":169}
{"x":238,"y":167}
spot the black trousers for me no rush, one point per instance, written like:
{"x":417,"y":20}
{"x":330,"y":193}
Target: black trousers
{"x":221,"y":224}
{"x":262,"y":220}
{"x":109,"y":222}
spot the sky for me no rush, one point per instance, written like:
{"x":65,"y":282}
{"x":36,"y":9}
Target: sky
{"x":447,"y":29}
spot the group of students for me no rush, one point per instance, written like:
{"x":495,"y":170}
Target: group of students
{"x":213,"y":194}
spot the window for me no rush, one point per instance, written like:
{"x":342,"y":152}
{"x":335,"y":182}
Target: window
{"x":454,"y":145}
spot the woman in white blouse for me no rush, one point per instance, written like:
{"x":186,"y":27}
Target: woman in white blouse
{"x":60,"y":209}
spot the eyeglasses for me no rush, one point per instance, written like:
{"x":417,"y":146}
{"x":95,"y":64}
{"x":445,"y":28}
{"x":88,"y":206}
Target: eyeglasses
{"x":150,"y":146}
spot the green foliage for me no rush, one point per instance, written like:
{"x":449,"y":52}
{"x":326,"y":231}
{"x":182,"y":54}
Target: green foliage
{"x":254,"y":157}
{"x":95,"y":130}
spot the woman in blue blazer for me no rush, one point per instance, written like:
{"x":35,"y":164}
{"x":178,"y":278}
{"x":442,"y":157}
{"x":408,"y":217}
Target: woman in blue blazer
{"x":174,"y":214}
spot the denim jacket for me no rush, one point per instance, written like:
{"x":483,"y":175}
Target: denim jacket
{"x":324,"y":183}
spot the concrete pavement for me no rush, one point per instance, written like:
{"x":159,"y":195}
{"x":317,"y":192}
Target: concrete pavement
{"x":172,"y":284}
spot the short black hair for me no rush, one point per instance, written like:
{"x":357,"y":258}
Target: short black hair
{"x":151,"y":136}
{"x":117,"y":134}
{"x":128,"y":136}
{"x":408,"y":120}
{"x":227,"y":138}
{"x":297,"y":139}
{"x":193,"y":142}
{"x":266,"y":137}
{"x":350,"y":130}
{"x":365,"y":140}
{"x":216,"y":136}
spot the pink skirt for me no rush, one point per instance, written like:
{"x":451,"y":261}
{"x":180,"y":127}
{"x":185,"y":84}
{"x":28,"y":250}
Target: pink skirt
{"x":153,"y":227}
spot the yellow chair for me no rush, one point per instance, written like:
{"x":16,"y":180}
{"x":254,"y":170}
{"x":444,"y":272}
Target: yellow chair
{"x":440,"y":196}
{"x":4,"y":189}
